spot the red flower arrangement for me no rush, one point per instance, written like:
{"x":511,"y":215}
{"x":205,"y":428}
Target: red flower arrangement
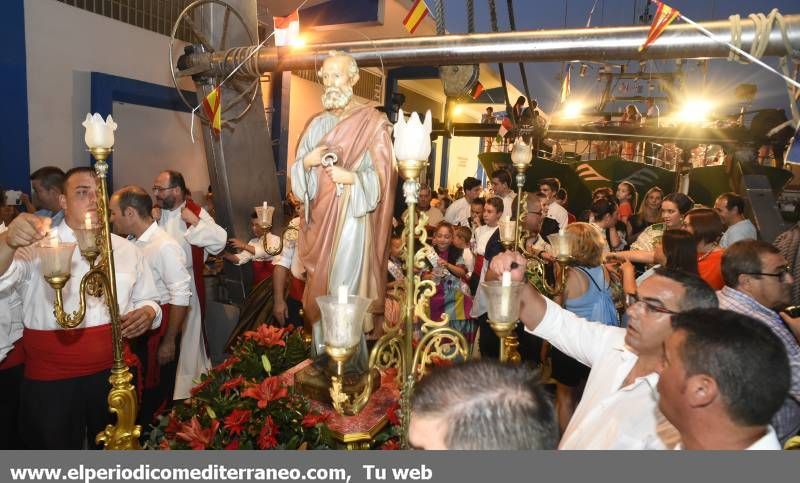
{"x":242,"y":404}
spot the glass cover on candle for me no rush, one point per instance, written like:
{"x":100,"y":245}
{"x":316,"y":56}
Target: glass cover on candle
{"x":55,"y":260}
{"x":86,"y":238}
{"x":507,"y":230}
{"x":265,"y":217}
{"x":503,"y":301}
{"x":342,"y":324}
{"x":560,"y":244}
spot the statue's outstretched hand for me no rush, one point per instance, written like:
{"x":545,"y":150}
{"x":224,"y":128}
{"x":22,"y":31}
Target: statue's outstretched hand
{"x":340,"y":175}
{"x":314,"y":157}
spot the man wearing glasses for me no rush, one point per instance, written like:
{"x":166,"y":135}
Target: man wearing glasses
{"x":197,"y":233}
{"x":758,"y":283}
{"x":619,"y":407}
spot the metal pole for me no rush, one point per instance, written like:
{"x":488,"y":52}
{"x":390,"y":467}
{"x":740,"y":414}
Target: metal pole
{"x":598,"y":44}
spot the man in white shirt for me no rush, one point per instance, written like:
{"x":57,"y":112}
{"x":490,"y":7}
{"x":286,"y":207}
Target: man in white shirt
{"x":458,"y":213}
{"x":435,"y":215}
{"x":713,"y":387}
{"x":549,"y":187}
{"x":619,"y":407}
{"x":129,"y":210}
{"x":12,"y":360}
{"x":194,"y":229}
{"x":501,"y":185}
{"x":730,"y":208}
{"x":64,"y":391}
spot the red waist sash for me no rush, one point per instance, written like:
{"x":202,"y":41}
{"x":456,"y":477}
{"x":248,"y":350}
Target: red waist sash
{"x":262,"y":269}
{"x":15,"y":357}
{"x":153,"y":373}
{"x":64,"y":354}
{"x":296,"y":288}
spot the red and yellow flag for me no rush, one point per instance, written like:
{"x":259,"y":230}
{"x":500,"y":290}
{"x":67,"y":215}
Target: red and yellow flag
{"x":664,"y":16}
{"x":418,"y":12}
{"x":565,"y":85}
{"x":212,"y":108}
{"x":476,"y":91}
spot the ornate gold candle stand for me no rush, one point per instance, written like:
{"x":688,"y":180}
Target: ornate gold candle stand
{"x":95,"y":245}
{"x":290,"y":233}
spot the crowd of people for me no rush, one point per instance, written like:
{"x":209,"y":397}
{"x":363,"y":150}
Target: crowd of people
{"x":660,"y":298}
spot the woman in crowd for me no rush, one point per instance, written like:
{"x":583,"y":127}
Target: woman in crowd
{"x":706,"y":226}
{"x":588,"y":295}
{"x":677,"y":251}
{"x":649,"y":212}
{"x":673,"y":209}
{"x":631,"y":117}
{"x":628,"y":198}
{"x":604,"y":220}
{"x":447,"y":269}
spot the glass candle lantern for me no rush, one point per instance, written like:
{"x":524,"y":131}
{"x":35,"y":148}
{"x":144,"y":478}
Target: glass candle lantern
{"x":561,"y":245}
{"x":55,"y":260}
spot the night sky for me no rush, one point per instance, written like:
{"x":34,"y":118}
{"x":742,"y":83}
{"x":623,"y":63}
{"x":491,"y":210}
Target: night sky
{"x":723,"y":76}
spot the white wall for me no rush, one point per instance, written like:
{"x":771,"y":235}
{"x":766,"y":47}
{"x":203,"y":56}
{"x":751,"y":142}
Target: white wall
{"x":167,"y":146}
{"x":64,"y":44}
{"x":463,"y":160}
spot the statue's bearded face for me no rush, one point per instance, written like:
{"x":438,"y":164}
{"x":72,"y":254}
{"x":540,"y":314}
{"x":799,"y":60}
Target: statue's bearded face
{"x":337,"y":97}
{"x":338,"y":82}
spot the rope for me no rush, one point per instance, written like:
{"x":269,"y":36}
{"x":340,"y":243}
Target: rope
{"x":440,"y":17}
{"x":509,"y":111}
{"x":763,"y":28}
{"x":512,"y":25}
{"x":470,"y":16}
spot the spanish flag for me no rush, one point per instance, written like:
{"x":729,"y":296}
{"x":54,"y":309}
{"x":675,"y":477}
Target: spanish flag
{"x":476,"y":91}
{"x":565,"y":84}
{"x":664,"y":16}
{"x":418,"y":12}
{"x":212,"y":108}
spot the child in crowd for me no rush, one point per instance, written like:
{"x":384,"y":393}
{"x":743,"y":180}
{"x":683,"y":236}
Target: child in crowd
{"x":395,"y":263}
{"x":253,"y":251}
{"x":628,"y":199}
{"x":447,"y":269}
{"x":461,"y":240}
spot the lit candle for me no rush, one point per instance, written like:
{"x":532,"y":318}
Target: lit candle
{"x":87,"y":222}
{"x":54,"y":239}
{"x":264,"y":207}
{"x":505,"y":295}
{"x":342,"y":294}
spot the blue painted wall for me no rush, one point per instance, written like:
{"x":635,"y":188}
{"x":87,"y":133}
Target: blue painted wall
{"x":106,"y":89}
{"x":14,"y":149}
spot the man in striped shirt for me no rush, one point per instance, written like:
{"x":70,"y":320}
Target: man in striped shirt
{"x":758,"y":284}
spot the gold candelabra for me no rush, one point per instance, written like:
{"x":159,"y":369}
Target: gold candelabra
{"x":95,"y":245}
{"x":290,"y":233}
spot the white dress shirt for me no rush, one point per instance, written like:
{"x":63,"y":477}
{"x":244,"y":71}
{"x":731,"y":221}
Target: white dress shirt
{"x":768,"y":442}
{"x":458,"y":212}
{"x":609,"y":416}
{"x":135,"y":286}
{"x":10,"y":317}
{"x":508,"y":204}
{"x":193,"y":360}
{"x":260,"y":255}
{"x":558,"y":213}
{"x":205,"y":234}
{"x":166,"y":258}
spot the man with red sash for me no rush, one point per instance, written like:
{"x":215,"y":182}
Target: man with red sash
{"x":349,"y":201}
{"x":194,"y":229}
{"x":12,"y":365}
{"x":65,"y":386}
{"x":130,"y":210}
